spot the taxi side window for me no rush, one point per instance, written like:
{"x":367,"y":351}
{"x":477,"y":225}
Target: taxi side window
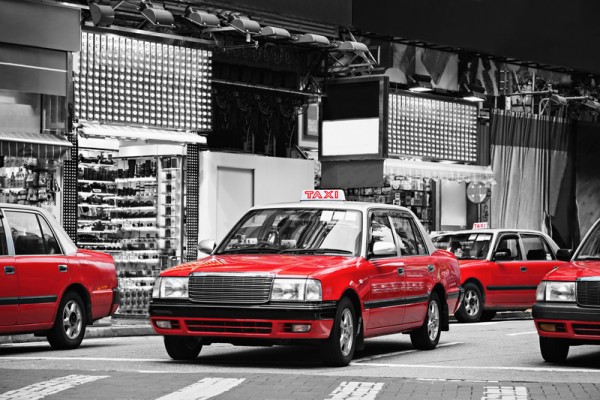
{"x":510,"y":245}
{"x":52,"y":246}
{"x":3,"y":245}
{"x":535,"y":248}
{"x":26,"y":233}
{"x":379,"y":229}
{"x":411,"y":242}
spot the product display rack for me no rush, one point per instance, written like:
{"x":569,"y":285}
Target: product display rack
{"x":133,"y":212}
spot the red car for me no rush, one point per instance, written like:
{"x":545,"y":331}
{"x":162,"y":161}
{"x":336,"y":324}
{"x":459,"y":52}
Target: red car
{"x":499,"y":268}
{"x":567,"y":308}
{"x":47,"y":285}
{"x":328,"y":273}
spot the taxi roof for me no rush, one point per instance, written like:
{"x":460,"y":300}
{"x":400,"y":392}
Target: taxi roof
{"x":333,"y":204}
{"x":487,"y":230}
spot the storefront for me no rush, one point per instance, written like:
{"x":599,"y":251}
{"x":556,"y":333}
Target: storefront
{"x":393,"y":146}
{"x":140,"y":106}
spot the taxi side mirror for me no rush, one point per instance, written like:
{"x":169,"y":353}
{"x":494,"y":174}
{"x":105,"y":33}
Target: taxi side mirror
{"x":384,"y":249}
{"x":206,"y":246}
{"x":564,"y":254}
{"x":502,"y":255}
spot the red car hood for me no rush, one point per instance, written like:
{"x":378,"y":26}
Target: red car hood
{"x":296,"y":265}
{"x":574,"y":270}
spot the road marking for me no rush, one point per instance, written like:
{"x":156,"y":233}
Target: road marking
{"x":475,"y":325}
{"x":398,"y":353}
{"x":204,"y":389}
{"x":491,"y":368}
{"x":521,"y":333}
{"x":505,"y":393}
{"x":84,"y":359}
{"x":46,"y":388}
{"x":356,"y":391}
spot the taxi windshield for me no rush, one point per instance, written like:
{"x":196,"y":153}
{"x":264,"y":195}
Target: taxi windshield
{"x":590,"y":249}
{"x":296,"y":231}
{"x":465,"y":246}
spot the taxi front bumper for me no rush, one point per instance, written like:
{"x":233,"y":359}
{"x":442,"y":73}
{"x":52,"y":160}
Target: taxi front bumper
{"x":267,"y":321}
{"x":568,"y":321}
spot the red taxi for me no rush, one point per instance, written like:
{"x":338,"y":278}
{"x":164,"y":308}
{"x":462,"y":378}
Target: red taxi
{"x":499,"y":268}
{"x":47,"y":285}
{"x":567,"y":308}
{"x":327,"y":272}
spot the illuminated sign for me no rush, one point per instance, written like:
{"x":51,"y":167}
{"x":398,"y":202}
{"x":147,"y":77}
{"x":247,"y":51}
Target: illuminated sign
{"x":323,"y":195}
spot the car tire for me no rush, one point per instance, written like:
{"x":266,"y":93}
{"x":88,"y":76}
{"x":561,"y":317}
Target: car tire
{"x":554,"y":350}
{"x":487,"y":315}
{"x":70,"y":323}
{"x":471,"y":308}
{"x":427,"y":336}
{"x":183,"y":347}
{"x":338,"y":349}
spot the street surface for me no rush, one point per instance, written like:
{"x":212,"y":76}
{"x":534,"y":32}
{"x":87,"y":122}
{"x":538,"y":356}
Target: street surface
{"x":491,"y":360}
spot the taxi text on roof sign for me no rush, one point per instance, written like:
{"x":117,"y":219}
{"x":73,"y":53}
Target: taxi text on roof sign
{"x":310,"y":194}
{"x":480,"y":225}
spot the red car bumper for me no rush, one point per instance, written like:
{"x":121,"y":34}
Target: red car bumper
{"x":567,"y":321}
{"x":269,"y":322}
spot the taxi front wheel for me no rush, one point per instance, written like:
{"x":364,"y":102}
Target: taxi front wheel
{"x":338,"y":350}
{"x":428,"y":335}
{"x":554,"y":350}
{"x":183,"y":347}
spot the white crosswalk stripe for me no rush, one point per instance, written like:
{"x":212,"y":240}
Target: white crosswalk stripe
{"x":46,"y":388}
{"x":505,"y":393}
{"x":204,"y":389}
{"x":356,"y":391}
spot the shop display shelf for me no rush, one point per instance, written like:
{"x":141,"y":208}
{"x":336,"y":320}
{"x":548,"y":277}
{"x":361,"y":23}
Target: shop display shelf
{"x":96,"y":244}
{"x":152,"y":261}
{"x":142,"y":219}
{"x":134,"y":197}
{"x":98,"y":232}
{"x":93,"y":221}
{"x":142,"y":228}
{"x":96,"y":205}
{"x":129,"y":180}
{"x":86,"y":164}
{"x":134,"y":208}
{"x":101,"y":194}
{"x":93,"y":181}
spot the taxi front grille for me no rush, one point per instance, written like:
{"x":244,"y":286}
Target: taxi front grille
{"x":587,"y":329}
{"x":220,"y":326}
{"x":230,"y":288}
{"x":588,"y":293}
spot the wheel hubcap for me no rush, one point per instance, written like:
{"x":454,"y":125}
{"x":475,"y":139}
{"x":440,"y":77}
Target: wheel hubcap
{"x":471,"y":303}
{"x":346,"y":332}
{"x":433,"y":321}
{"x":72,"y":319}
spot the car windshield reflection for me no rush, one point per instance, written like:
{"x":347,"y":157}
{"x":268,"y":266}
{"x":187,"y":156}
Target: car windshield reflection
{"x":296,"y":231}
{"x":590,"y":249}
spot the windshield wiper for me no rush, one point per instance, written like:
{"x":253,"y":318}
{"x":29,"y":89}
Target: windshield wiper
{"x":250,"y":250}
{"x":316,"y":251}
{"x":586,"y":258}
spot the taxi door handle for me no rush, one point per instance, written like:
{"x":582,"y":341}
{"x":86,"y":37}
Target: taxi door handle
{"x":62,"y":268}
{"x":9,"y":270}
{"x":400,"y":271}
{"x":523,"y":269}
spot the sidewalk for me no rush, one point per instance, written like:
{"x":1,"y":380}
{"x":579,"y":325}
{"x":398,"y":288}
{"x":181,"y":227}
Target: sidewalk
{"x":119,"y":326}
{"x":106,"y":327}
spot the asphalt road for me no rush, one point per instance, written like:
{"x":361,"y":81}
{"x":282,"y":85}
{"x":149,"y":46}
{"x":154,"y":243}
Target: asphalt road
{"x":498,"y":359}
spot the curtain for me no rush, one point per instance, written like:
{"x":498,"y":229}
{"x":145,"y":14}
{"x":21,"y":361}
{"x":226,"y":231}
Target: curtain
{"x":530,"y":160}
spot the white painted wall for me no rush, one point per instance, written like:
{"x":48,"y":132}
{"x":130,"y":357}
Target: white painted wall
{"x":275,"y":180}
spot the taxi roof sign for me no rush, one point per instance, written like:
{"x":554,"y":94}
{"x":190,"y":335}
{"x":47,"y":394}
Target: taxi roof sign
{"x":313,"y":194}
{"x":480,"y":225}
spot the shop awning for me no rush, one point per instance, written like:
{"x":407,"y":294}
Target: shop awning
{"x":433,"y":170}
{"x":38,"y":145}
{"x":145,"y":134}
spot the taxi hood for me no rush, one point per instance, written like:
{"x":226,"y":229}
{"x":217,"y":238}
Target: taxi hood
{"x":281,"y":265}
{"x":575,"y":270}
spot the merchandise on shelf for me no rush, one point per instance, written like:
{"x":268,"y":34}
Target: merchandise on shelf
{"x":30,"y":181}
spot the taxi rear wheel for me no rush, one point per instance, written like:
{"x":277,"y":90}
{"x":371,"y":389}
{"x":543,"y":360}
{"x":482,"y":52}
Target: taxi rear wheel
{"x":338,"y":350}
{"x":183,"y":347}
{"x":554,"y":350}
{"x":428,"y":335}
{"x":472,"y":306}
{"x":69,"y":326}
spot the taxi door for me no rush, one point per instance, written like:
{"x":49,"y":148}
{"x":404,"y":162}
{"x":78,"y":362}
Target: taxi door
{"x":385,"y":303}
{"x":418,"y":266}
{"x":509,"y":281}
{"x":40,"y":265}
{"x":540,"y":260}
{"x":9,"y":295}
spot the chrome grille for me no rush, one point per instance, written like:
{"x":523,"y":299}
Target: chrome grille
{"x":230,"y":288}
{"x":588,"y":293}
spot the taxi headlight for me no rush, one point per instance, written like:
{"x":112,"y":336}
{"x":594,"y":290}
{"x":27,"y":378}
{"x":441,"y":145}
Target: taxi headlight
{"x":171,"y":288}
{"x":296,"y":290}
{"x":556,"y":291}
